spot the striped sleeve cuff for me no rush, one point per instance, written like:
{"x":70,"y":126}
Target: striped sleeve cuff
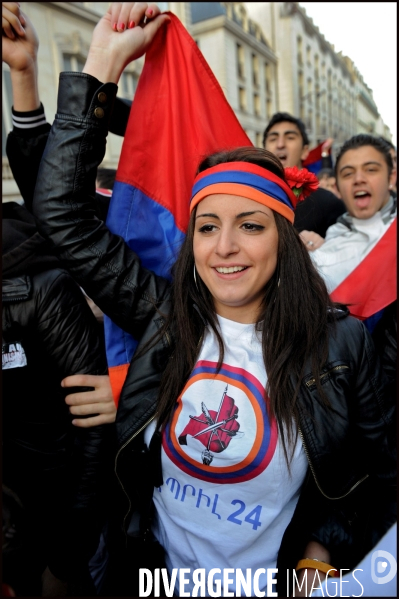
{"x":29,"y":120}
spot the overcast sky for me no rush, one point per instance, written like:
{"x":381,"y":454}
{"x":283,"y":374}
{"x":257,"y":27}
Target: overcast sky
{"x":366,"y":32}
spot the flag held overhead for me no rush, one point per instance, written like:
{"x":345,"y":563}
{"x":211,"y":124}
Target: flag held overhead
{"x":179,"y":115}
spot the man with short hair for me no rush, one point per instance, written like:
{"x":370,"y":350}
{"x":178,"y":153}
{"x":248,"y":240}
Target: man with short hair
{"x":358,"y":257}
{"x":365,"y":177}
{"x":285,"y":136}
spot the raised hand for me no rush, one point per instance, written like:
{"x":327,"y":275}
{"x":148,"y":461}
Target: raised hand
{"x":19,"y":40}
{"x":122,"y":35}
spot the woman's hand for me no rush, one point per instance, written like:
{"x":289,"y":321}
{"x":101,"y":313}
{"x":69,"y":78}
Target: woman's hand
{"x":120,"y":37}
{"x":308,"y":576}
{"x":311,"y":240}
{"x":99,"y":402}
{"x":19,"y":40}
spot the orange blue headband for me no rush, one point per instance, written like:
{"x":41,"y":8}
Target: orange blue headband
{"x":247,"y":180}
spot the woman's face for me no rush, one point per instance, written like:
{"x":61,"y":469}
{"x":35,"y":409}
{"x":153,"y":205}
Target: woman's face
{"x":235,"y":251}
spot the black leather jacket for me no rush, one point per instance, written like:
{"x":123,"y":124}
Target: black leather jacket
{"x":346,"y":443}
{"x":57,"y":470}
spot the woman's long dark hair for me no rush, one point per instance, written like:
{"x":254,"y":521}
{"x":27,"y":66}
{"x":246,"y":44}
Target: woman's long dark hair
{"x":293,"y":317}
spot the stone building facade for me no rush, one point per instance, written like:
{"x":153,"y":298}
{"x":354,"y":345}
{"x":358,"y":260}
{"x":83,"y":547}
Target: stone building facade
{"x":267,"y":57}
{"x":319,"y":85}
{"x":242,"y":60}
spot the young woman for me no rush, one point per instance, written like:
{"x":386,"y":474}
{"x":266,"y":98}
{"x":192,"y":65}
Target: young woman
{"x":254,"y":415}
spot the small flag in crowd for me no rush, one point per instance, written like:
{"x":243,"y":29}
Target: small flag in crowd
{"x":314,"y":161}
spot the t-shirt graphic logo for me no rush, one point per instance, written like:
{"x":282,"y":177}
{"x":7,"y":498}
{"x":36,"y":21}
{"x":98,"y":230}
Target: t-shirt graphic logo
{"x":214,"y":429}
{"x":204,"y":438}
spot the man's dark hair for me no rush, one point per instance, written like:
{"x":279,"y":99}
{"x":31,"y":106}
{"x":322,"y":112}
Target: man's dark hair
{"x":325,"y":172}
{"x":105,"y":178}
{"x":389,"y":143}
{"x":280,"y":117}
{"x":364,"y":139}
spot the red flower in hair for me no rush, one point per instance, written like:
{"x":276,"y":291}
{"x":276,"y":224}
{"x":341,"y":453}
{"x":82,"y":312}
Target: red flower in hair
{"x":302,"y":182}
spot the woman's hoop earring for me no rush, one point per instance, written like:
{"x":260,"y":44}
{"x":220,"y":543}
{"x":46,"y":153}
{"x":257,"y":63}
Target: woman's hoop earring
{"x":195,"y":279}
{"x":278,"y":282}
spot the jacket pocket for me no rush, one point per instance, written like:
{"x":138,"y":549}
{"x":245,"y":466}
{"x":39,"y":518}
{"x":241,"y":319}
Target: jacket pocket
{"x":330,"y":371}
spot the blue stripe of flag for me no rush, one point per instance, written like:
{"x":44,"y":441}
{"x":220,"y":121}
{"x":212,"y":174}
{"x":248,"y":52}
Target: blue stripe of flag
{"x":136,"y":217}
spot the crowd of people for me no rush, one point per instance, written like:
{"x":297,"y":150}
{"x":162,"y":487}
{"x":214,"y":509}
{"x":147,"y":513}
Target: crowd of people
{"x":256,"y":425}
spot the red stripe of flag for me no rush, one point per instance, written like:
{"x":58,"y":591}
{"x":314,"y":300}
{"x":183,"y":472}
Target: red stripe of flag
{"x":179,"y":115}
{"x":372,"y":285}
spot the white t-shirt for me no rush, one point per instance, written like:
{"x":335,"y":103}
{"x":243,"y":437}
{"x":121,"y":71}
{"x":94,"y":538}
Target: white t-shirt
{"x":227,"y":496}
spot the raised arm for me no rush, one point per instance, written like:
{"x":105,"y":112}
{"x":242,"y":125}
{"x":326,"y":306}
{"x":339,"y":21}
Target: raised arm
{"x":64,"y":204}
{"x":26,"y":142}
{"x":19,"y":50}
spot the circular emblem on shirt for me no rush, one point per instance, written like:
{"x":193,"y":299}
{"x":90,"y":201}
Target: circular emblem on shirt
{"x":221,"y":430}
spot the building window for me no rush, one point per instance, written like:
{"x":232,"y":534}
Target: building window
{"x":318,"y":93}
{"x":267,"y":79}
{"x":269,"y":109}
{"x":329,"y":80}
{"x":308,"y":55}
{"x":255,"y":70}
{"x":257,"y":104}
{"x":301,"y":89}
{"x":316,"y":66}
{"x":299,"y":50}
{"x":302,"y":111}
{"x":242,"y":97}
{"x":309,"y":90}
{"x":73,"y":62}
{"x":240,"y":61}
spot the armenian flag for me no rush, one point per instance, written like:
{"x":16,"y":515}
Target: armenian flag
{"x":178,"y":116}
{"x":314,"y":161}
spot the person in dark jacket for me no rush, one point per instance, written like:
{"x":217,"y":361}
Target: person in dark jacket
{"x":57,"y":470}
{"x":285,"y":136}
{"x":239,"y":307}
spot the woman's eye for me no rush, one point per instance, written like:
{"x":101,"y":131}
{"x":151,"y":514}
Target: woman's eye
{"x":252,"y":227}
{"x":207,"y":228}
